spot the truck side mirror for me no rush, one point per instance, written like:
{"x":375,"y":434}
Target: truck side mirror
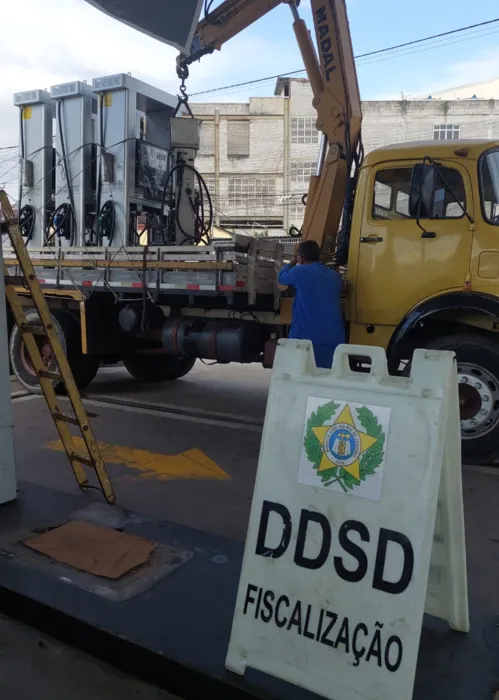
{"x":422,"y":192}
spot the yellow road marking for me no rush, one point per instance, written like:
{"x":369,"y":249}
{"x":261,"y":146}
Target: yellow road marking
{"x":191,"y":464}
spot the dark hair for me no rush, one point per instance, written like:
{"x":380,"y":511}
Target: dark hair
{"x":309,"y":251}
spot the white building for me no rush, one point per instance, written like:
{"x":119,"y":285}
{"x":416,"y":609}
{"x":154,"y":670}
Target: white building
{"x":257,"y":156}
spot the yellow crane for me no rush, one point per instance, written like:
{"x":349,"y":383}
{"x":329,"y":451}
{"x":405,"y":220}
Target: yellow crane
{"x":334,"y":84}
{"x":419,"y":221}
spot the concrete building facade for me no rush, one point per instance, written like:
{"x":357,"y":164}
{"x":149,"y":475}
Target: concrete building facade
{"x":257,"y":157}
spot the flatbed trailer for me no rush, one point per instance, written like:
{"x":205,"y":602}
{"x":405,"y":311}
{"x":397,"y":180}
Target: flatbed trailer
{"x":158,"y":308}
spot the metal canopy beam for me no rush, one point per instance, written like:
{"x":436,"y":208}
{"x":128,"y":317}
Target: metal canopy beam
{"x":169,"y":21}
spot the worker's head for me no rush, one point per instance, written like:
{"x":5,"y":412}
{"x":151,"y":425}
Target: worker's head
{"x":308,"y":252}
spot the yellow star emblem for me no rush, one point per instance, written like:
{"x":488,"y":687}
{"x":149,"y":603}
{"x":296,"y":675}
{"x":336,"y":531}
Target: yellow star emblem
{"x":349,"y":444}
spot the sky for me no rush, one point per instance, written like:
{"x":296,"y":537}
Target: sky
{"x":62,"y":40}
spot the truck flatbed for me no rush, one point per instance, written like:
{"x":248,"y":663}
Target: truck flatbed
{"x":245,"y":265}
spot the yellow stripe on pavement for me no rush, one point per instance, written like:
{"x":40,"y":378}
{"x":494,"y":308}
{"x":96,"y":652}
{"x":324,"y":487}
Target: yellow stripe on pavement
{"x":191,"y":464}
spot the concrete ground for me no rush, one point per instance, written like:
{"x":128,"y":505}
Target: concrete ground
{"x":36,"y":667}
{"x":138,"y":444}
{"x":197,"y":469}
{"x":144,"y":448}
{"x":236,"y":389}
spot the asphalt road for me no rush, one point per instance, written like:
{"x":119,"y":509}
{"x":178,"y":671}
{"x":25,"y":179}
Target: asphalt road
{"x":145,"y":450}
{"x":233,"y":389}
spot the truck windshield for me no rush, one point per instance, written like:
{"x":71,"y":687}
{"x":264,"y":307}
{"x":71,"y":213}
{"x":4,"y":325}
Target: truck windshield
{"x":489,"y":180}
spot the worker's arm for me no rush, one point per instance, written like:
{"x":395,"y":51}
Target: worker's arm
{"x":290,"y":273}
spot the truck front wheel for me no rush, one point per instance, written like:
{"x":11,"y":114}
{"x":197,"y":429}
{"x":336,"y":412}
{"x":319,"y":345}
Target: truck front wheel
{"x":84,"y":367}
{"x":158,"y":368}
{"x":478,"y":375}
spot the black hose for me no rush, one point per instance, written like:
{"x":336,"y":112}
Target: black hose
{"x":27,"y":213}
{"x":23,"y":153}
{"x":63,"y":210}
{"x":202,"y":186}
{"x":343,"y":238}
{"x":208,"y":4}
{"x":106,"y":220}
{"x":27,"y":216}
{"x":98,"y":193}
{"x":66,"y":172}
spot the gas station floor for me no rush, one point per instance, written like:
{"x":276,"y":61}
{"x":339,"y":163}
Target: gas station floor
{"x":188,"y":470}
{"x":182,"y":459}
{"x":34,"y":666}
{"x":239,"y":390}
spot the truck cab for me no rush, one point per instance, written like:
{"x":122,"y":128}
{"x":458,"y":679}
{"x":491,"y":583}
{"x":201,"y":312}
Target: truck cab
{"x":423,"y":266}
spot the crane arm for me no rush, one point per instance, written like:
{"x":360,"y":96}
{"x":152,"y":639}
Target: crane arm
{"x":227,"y":20}
{"x":331,"y":71}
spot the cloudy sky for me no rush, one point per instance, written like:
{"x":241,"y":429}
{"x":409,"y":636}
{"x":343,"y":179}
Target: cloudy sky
{"x":61,"y":40}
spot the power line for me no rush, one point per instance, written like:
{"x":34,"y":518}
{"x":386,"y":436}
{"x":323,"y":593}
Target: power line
{"x":428,"y":47}
{"x":363,"y":55}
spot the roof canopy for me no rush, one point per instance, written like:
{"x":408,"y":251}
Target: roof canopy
{"x":170,"y":21}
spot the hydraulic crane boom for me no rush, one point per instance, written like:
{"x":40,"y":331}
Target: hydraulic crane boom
{"x":333,"y":78}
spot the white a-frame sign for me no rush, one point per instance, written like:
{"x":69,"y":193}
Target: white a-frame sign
{"x":356,"y":525}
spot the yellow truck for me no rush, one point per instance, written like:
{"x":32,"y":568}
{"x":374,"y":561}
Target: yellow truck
{"x":415,"y":227}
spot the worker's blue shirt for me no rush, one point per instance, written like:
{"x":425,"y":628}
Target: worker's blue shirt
{"x":316,"y":308}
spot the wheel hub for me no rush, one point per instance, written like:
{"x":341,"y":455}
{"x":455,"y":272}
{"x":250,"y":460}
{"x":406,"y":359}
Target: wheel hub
{"x":478,"y":400}
{"x":45,"y":352}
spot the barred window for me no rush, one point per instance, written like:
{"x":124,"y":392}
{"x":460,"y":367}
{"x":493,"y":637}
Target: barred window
{"x":252,"y":191}
{"x":301,"y":171}
{"x":238,"y":138}
{"x":303,"y":130}
{"x":207,"y":138}
{"x":296,"y":211}
{"x":443,"y":132}
{"x":210,"y":184}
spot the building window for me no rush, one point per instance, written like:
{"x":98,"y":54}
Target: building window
{"x":393,"y":185}
{"x":303,"y":130}
{"x":207,"y":138}
{"x":302,"y":170}
{"x":238,"y":138}
{"x":443,"y":132}
{"x":210,"y":184}
{"x":251,"y":191}
{"x":296,"y":212}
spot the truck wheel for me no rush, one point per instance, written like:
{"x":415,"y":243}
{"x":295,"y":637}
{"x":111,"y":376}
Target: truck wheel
{"x":478,"y":372}
{"x":158,"y":368}
{"x":84,"y":367}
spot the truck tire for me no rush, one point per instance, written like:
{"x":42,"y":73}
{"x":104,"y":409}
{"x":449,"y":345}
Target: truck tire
{"x":84,"y":367}
{"x":478,"y":370}
{"x":158,"y":368}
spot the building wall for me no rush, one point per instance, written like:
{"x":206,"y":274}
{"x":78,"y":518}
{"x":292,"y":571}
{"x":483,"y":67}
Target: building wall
{"x":392,"y":122}
{"x":268,"y":147}
{"x":249,"y":164}
{"x":486,"y":90}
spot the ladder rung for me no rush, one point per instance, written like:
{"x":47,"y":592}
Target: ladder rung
{"x":82,"y":460}
{"x":31,"y":328}
{"x":66,"y":419}
{"x":55,"y":376}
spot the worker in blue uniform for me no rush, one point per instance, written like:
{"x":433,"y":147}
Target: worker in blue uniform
{"x":317,"y":304}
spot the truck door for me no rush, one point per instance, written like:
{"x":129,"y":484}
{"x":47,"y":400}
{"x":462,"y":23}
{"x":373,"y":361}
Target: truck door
{"x":399,"y":264}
